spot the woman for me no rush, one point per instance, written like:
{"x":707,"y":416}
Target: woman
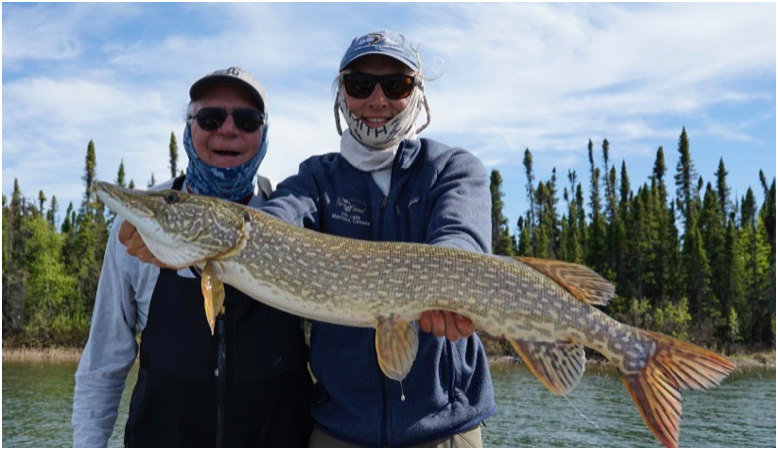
{"x":387,"y":184}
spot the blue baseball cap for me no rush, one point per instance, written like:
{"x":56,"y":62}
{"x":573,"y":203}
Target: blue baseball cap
{"x":388,"y":43}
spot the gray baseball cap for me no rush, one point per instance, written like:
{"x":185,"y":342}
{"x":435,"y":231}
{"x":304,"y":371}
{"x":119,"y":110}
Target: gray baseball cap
{"x":234,"y":76}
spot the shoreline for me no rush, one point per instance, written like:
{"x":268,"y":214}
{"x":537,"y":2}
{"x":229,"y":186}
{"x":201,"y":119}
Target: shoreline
{"x":755,"y":360}
{"x":744,"y":359}
{"x":55,"y":354}
{"x":500,"y":354}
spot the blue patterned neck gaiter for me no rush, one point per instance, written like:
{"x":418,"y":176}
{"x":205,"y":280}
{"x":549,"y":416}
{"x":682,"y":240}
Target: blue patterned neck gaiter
{"x":232,"y":183}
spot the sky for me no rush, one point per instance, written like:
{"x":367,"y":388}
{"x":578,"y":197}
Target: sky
{"x":501,"y":78}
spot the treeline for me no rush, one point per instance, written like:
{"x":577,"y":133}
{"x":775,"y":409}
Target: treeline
{"x":695,"y":263}
{"x":698,"y":264}
{"x":50,"y":267}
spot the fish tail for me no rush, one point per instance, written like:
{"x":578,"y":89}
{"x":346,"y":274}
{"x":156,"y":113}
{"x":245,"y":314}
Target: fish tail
{"x":675,"y":365}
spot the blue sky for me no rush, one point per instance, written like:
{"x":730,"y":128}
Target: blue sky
{"x":547,"y":77}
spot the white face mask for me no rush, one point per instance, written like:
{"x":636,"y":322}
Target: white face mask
{"x":398,"y":128}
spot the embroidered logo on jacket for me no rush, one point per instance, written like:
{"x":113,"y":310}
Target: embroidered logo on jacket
{"x":351,"y":211}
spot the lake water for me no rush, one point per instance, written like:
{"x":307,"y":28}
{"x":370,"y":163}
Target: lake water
{"x":38,"y":400}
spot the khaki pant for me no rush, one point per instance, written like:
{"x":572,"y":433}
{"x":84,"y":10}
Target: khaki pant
{"x":470,"y":438}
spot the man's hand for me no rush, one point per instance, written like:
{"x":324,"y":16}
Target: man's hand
{"x":131,"y":239}
{"x":446,"y":323}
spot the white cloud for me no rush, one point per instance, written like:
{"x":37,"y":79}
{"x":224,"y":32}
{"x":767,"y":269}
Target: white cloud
{"x":543,"y":71}
{"x":31,"y":33}
{"x":56,"y":32}
{"x":47,"y":125}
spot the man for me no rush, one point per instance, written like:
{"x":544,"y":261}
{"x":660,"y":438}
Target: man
{"x":245,"y":385}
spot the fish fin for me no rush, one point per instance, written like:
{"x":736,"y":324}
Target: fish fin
{"x":675,"y":365}
{"x":396,"y":343}
{"x":584,"y":283}
{"x":213,"y":291}
{"x":558,"y":365}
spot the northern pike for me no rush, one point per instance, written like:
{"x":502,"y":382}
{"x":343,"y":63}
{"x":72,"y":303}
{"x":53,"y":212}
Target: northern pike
{"x":544,"y":308}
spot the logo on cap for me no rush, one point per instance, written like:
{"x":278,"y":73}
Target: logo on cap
{"x":373,"y":38}
{"x":234,"y":71}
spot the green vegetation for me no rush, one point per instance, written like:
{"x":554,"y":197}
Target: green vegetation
{"x":712,"y":281}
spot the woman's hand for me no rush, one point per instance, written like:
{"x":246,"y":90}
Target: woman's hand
{"x":446,"y":323}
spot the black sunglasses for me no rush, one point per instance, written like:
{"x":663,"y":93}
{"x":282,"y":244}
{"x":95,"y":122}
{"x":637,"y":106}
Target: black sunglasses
{"x":395,"y":87}
{"x":247,"y":119}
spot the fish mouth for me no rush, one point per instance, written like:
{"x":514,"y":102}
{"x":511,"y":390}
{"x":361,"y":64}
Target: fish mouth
{"x":116,"y":197}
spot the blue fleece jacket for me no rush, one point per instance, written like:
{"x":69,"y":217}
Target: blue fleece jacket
{"x":440,"y":196}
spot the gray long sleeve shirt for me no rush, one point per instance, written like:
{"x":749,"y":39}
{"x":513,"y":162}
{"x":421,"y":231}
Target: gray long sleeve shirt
{"x":121,"y":310}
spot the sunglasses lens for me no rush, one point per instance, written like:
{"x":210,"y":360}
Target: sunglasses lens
{"x":397,"y":87}
{"x":210,"y":119}
{"x":359,"y":85}
{"x":247,"y":119}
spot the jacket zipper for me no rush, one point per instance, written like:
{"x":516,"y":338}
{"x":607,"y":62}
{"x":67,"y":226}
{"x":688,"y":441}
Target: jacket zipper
{"x":381,"y":226}
{"x":384,"y":396}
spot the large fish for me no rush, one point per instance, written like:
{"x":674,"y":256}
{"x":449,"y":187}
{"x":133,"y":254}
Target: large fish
{"x":545,"y":308}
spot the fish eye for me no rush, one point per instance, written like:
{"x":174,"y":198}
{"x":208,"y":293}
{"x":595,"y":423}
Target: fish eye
{"x":172,"y":197}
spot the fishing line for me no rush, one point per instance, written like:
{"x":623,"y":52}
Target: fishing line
{"x":579,"y":412}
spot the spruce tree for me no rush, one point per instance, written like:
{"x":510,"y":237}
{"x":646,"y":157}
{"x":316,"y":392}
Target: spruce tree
{"x":6,"y":243}
{"x":120,"y":175}
{"x":732,"y":301}
{"x":748,"y":236}
{"x":525,"y":240}
{"x":595,"y":236}
{"x":714,"y":237}
{"x":502,"y":244}
{"x":620,"y":239}
{"x":581,"y":218}
{"x":90,"y":172}
{"x":684,"y":177}
{"x":571,"y":238}
{"x":550,"y":218}
{"x":722,"y":192}
{"x":530,"y":196}
{"x":41,"y":201}
{"x":173,"y":155}
{"x":696,"y":269}
{"x":51,"y":214}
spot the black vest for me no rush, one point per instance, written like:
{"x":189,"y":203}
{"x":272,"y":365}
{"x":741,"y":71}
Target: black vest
{"x":246,"y":386}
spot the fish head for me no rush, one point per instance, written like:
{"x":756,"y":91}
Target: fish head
{"x":179,"y":229}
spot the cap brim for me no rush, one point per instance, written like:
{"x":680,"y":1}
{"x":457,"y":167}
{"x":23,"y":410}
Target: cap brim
{"x":411,"y":64}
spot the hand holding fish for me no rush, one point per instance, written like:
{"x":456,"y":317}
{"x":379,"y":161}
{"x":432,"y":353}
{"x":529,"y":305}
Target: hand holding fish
{"x":132,"y":240}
